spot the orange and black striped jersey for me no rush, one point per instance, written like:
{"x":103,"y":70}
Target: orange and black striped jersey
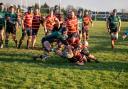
{"x":36,"y":22}
{"x":50,"y":22}
{"x":59,"y":16}
{"x":87,"y":20}
{"x":74,"y":43}
{"x":28,"y":20}
{"x":72,"y":25}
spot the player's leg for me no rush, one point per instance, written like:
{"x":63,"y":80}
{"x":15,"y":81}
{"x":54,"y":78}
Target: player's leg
{"x":87,"y":34}
{"x":47,"y":46}
{"x":14,"y":36}
{"x":92,"y":57}
{"x":29,"y":33}
{"x":84,"y":35}
{"x":33,"y":41}
{"x":1,"y":36}
{"x":114,"y":37}
{"x":80,"y":35}
{"x":34,"y":35}
{"x":6,"y":39}
{"x":8,"y":31}
{"x":44,"y":56}
{"x":22,"y":38}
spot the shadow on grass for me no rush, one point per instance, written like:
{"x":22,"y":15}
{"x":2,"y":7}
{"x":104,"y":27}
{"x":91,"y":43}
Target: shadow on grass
{"x":61,"y":63}
{"x":100,"y":48}
{"x":103,"y":44}
{"x":99,"y":37}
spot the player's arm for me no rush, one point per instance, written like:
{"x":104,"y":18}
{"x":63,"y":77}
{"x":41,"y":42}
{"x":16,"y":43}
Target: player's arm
{"x":119,"y":26}
{"x":91,"y":21}
{"x":107,"y":24}
{"x":22,"y":22}
{"x":77,"y":26}
{"x":17,"y":24}
{"x":42,"y":18}
{"x":57,"y":22}
{"x":44,"y":24}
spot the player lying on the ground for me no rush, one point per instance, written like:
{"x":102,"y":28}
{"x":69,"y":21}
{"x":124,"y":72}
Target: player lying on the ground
{"x":85,"y":51}
{"x":72,"y":54}
{"x":58,"y":37}
{"x":125,"y":34}
{"x":79,"y":54}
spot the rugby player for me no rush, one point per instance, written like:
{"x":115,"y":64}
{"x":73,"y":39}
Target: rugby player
{"x":27,"y":28}
{"x":86,"y":22}
{"x":113,"y":26}
{"x":2,"y":24}
{"x":11,"y":22}
{"x":49,"y":23}
{"x":37,"y":20}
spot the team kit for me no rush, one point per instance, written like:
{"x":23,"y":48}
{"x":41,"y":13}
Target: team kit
{"x":67,"y":35}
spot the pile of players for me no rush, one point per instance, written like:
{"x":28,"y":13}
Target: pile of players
{"x":66,"y":35}
{"x":69,"y":36}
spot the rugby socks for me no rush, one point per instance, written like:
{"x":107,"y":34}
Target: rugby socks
{"x":15,"y":42}
{"x":20,"y":43}
{"x":28,"y":44}
{"x":1,"y":44}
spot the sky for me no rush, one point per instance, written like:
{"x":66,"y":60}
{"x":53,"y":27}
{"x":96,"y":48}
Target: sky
{"x":95,"y":5}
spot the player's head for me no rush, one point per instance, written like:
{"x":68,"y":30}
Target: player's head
{"x":36,"y":11}
{"x":29,"y":9}
{"x":125,"y":34}
{"x":11,"y":9}
{"x":71,"y":14}
{"x":85,"y":43}
{"x":56,"y":9}
{"x":114,"y":12}
{"x":1,"y":6}
{"x":64,"y":31}
{"x":80,"y":12}
{"x":86,"y":12}
{"x":18,"y":10}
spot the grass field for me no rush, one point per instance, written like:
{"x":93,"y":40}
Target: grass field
{"x":19,"y":71}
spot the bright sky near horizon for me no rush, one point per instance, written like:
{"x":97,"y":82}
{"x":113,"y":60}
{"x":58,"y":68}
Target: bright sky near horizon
{"x":100,"y":5}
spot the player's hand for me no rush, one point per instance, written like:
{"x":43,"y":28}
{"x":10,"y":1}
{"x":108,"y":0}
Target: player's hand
{"x":118,"y":29}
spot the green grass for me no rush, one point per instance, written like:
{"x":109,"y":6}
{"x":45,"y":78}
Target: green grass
{"x":19,"y":71}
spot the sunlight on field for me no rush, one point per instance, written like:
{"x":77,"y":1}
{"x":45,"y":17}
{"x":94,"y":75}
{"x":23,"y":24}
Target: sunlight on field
{"x":18,"y":70}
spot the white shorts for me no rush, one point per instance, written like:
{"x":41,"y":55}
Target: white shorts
{"x":114,"y":35}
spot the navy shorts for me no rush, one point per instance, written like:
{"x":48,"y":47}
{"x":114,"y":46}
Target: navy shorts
{"x":11,"y":29}
{"x":34,"y":32}
{"x":1,"y":27}
{"x":27,"y":32}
